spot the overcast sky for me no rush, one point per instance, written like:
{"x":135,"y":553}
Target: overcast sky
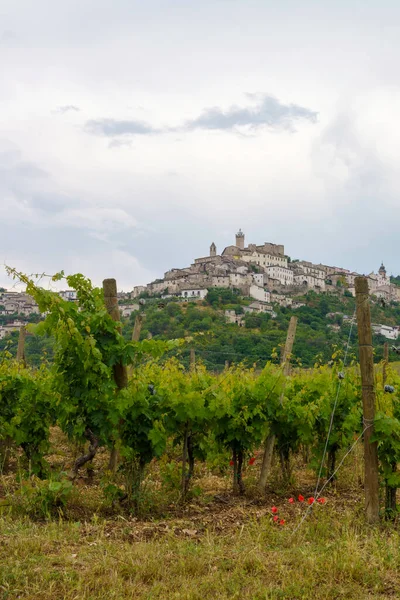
{"x":134,"y":133}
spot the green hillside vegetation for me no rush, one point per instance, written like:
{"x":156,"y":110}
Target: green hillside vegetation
{"x":261,"y":336}
{"x":217,"y":341}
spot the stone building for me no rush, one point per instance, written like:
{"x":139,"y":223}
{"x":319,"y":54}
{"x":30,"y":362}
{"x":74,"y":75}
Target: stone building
{"x":281,"y":274}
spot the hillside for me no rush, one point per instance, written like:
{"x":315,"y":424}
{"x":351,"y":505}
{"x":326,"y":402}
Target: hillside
{"x":256,"y":341}
{"x":261,"y":336}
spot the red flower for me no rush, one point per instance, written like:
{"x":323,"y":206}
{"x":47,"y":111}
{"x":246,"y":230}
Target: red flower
{"x":321,"y":500}
{"x":252,"y":460}
{"x":231,"y":463}
{"x":276,"y":518}
{"x":282,"y":522}
{"x":301,"y":498}
{"x":291,"y":500}
{"x":311,"y":500}
{"x":274,"y":510}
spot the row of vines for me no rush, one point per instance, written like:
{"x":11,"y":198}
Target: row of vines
{"x":235,"y":411}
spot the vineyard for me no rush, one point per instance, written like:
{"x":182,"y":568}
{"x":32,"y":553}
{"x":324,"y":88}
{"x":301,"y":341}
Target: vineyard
{"x":136,"y":435}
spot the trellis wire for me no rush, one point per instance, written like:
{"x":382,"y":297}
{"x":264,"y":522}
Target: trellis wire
{"x":334,"y":406}
{"x":309,"y":508}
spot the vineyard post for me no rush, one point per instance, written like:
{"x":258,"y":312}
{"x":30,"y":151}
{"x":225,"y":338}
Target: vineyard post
{"x":21,"y":345}
{"x":371,"y":483}
{"x":270,"y":441}
{"x":120,"y":371}
{"x":385,"y":363}
{"x":192,"y":359}
{"x":186,"y":434}
{"x":137,"y":328}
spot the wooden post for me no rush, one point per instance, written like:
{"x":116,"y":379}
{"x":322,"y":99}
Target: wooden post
{"x":270,"y":441}
{"x":21,"y":345}
{"x":287,"y":351}
{"x":192,"y":359}
{"x":371,"y":483}
{"x":137,"y":328}
{"x":120,"y":371}
{"x":385,"y":363}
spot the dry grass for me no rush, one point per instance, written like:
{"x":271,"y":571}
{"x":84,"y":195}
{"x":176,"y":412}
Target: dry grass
{"x":213,"y":547}
{"x":328,"y":558}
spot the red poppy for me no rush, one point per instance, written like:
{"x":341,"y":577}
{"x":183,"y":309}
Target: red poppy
{"x":321,"y":500}
{"x":282,"y":522}
{"x":311,"y":500}
{"x":301,"y":498}
{"x":274,"y":510}
{"x":276,"y":518}
{"x":291,"y":500}
{"x":231,"y":463}
{"x":252,"y":460}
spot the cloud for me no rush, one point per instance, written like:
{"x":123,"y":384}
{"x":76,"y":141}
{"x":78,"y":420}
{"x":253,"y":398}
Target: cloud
{"x":266,"y":112}
{"x":47,"y":229}
{"x":101,"y":220}
{"x":61,"y":110}
{"x":118,"y":143}
{"x":114,"y":127}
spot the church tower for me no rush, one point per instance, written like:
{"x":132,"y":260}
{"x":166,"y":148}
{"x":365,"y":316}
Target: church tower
{"x":382,"y":277}
{"x":240,"y":240}
{"x":213,"y":250}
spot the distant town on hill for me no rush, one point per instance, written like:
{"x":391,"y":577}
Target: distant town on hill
{"x":264,"y":273}
{"x":235,"y":306}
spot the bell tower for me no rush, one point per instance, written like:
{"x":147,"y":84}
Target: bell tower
{"x":213,"y":250}
{"x":240,"y":240}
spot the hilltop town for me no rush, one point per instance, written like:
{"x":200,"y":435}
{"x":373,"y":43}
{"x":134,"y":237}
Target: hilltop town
{"x":261,"y":273}
{"x":264,"y":273}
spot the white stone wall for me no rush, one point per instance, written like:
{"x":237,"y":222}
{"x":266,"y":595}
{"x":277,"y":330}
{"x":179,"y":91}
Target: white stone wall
{"x":193,"y":294}
{"x":282,"y":274}
{"x":310,"y":269}
{"x":312,"y":282}
{"x":258,"y":293}
{"x":259,"y":279}
{"x":264,"y":260}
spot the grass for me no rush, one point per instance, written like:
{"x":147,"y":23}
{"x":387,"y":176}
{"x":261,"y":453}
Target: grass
{"x":328,"y":558}
{"x":213,"y":547}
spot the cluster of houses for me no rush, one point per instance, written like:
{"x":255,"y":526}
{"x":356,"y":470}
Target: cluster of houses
{"x":263,"y":273}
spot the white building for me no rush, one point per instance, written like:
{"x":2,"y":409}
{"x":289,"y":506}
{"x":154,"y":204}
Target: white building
{"x":193,"y":294}
{"x":310,"y":281}
{"x":281,"y":300}
{"x":390,"y":333}
{"x":232,"y":317}
{"x":282,"y":274}
{"x":260,"y":307}
{"x":10,"y":327}
{"x":127,"y":309}
{"x":138,"y":289}
{"x":70,"y":295}
{"x":259,"y":279}
{"x":259,"y":293}
{"x":263,"y":260}
{"x":310,"y":269}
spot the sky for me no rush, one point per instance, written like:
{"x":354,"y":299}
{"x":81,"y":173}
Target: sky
{"x":133,"y":134}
